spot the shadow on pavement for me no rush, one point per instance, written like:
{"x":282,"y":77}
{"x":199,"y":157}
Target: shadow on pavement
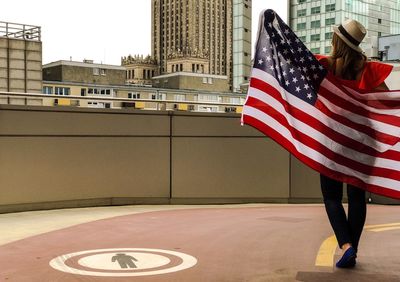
{"x":344,"y":275}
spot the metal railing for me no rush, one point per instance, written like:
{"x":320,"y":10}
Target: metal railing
{"x":115,"y":99}
{"x":20,"y":31}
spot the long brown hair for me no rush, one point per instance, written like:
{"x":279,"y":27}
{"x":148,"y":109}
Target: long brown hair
{"x":353,"y":61}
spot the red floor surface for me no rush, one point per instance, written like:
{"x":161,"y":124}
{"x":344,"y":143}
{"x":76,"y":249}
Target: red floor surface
{"x":278,"y":243}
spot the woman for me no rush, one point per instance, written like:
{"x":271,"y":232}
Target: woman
{"x":350,"y":66}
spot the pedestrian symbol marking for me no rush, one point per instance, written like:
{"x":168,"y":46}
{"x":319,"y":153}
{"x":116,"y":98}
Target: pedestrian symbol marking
{"x":123,"y":262}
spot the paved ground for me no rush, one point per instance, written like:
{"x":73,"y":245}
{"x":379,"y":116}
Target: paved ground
{"x":192,"y":243}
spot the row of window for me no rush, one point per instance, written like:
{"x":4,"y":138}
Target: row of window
{"x":317,"y":50}
{"x":65,"y":91}
{"x":98,"y":71}
{"x":316,"y":24}
{"x":316,"y":10}
{"x":316,"y":37}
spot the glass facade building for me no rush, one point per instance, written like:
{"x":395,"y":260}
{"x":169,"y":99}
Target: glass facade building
{"x":312,"y":20}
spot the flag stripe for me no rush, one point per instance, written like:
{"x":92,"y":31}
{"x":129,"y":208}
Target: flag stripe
{"x":335,"y":121}
{"x":305,"y":134}
{"x":334,"y":174}
{"x":345,"y":101}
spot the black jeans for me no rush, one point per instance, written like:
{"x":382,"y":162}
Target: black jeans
{"x":347,"y":230}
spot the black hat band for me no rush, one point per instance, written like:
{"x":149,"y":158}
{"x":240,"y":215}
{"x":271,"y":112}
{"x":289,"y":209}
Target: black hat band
{"x":348,"y":36}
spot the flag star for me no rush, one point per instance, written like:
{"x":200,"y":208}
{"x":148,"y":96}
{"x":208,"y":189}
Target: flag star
{"x":291,"y":50}
{"x":284,"y":73}
{"x":270,"y":24}
{"x":309,"y":96}
{"x":295,"y":79}
{"x":305,"y":69}
{"x":306,"y":86}
{"x":302,"y":59}
{"x":281,"y":63}
{"x":283,"y":41}
{"x":297,"y":40}
{"x":310,"y":58}
{"x":321,"y":67}
{"x":315,"y":76}
{"x":289,"y":61}
{"x":268,"y":58}
{"x":313,"y":67}
{"x":302,"y":77}
{"x":291,"y":70}
{"x":297,"y":89}
{"x":286,"y":31}
{"x":279,"y":76}
{"x":308,"y":78}
{"x":287,"y":82}
{"x":264,"y":49}
{"x":289,"y":41}
{"x":271,"y":67}
{"x":260,"y":62}
{"x":299,"y":49}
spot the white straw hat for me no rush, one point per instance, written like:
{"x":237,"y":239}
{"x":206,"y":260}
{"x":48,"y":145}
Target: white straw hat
{"x":352,"y":33}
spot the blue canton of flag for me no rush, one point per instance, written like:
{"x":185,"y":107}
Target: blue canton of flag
{"x":281,"y":53}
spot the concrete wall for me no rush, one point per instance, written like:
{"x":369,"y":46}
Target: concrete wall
{"x":20,"y":65}
{"x":70,"y":157}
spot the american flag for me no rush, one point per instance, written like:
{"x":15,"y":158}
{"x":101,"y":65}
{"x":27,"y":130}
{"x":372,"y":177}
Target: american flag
{"x":343,"y":133}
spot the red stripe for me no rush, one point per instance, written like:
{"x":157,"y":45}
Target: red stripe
{"x":315,"y":165}
{"x":383,"y":104}
{"x":319,"y":147}
{"x":344,"y":104}
{"x":381,"y":137}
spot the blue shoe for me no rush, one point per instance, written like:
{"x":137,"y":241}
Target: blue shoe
{"x":348,"y":259}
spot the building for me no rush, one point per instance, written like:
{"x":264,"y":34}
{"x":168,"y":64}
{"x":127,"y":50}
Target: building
{"x":87,"y":84}
{"x":20,"y":58}
{"x":139,"y":70}
{"x":312,"y":21}
{"x":241,"y":43}
{"x":196,"y":36}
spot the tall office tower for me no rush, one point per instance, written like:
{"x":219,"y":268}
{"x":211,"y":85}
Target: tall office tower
{"x":241,"y":42}
{"x":312,"y":21}
{"x":193,"y":36}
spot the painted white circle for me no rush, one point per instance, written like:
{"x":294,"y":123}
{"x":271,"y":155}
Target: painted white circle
{"x":102,"y":261}
{"x":134,"y":260}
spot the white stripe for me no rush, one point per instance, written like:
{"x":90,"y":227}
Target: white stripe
{"x":323,"y":118}
{"x":321,"y":138}
{"x":372,"y":96}
{"x":316,"y":156}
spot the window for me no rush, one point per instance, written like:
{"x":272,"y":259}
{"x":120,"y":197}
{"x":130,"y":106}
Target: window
{"x":302,"y":12}
{"x":303,"y":38}
{"x":328,"y":49}
{"x":179,"y":97}
{"x":379,"y":21}
{"x":103,"y":71}
{"x":83,"y":91}
{"x":315,"y":50}
{"x":315,"y":10}
{"x":47,"y":90}
{"x":62,"y":91}
{"x":330,"y":7}
{"x":302,"y":1}
{"x":315,"y":37}
{"x":133,"y":95}
{"x":330,"y":21}
{"x":96,"y":71}
{"x":301,"y":26}
{"x":315,"y":24}
{"x":328,"y":35}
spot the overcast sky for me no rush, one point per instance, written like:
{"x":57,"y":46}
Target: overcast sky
{"x":99,"y":30}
